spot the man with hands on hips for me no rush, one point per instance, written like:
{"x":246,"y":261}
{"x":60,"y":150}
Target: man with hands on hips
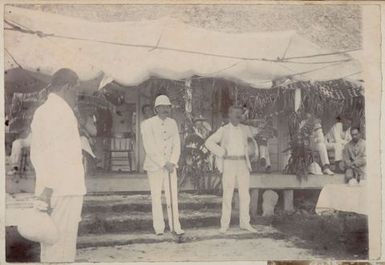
{"x":231,"y":145}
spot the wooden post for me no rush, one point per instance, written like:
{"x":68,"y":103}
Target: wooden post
{"x":288,"y":200}
{"x":297,"y":99}
{"x":254,"y":196}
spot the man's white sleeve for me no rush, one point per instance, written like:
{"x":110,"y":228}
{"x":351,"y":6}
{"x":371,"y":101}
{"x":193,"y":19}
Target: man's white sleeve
{"x":44,"y":149}
{"x":212,"y":143}
{"x":176,"y":145}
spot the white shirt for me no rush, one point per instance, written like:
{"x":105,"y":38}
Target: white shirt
{"x":338,"y":135}
{"x":161,"y":142}
{"x":56,"y":151}
{"x":235,"y":145}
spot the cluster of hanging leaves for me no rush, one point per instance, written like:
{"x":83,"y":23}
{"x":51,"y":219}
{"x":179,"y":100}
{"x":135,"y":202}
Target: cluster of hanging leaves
{"x":299,"y":145}
{"x":322,"y":99}
{"x":263,"y":103}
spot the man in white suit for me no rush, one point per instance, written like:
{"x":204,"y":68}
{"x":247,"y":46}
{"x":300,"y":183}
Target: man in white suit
{"x":161,"y":143}
{"x":230,"y":143}
{"x":56,"y":154}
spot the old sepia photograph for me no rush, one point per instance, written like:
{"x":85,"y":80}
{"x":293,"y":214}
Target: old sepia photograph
{"x":194,"y":132}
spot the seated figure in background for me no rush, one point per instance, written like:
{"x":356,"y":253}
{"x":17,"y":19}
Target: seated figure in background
{"x":23,"y":141}
{"x":337,"y":137}
{"x":262,"y":134}
{"x":87,"y":130}
{"x":354,"y":156}
{"x":317,"y":140}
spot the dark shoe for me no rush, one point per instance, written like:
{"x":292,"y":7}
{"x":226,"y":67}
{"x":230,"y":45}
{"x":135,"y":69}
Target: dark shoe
{"x":262,"y":162}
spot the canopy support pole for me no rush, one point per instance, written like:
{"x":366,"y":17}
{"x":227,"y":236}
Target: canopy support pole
{"x":297,"y":99}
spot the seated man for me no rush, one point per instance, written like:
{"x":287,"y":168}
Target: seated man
{"x":262,"y":134}
{"x":16,"y":153}
{"x":317,"y":140}
{"x":354,"y":156}
{"x":87,"y":130}
{"x":337,"y":137}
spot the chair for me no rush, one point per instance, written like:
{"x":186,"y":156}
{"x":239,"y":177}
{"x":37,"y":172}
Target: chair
{"x":121,"y":154}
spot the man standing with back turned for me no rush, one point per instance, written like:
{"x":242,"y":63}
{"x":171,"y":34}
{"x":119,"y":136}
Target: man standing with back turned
{"x":230,"y":143}
{"x":56,"y":154}
{"x":161,"y":143}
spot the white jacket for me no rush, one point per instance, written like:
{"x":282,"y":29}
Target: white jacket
{"x":56,"y":150}
{"x":218,"y":141}
{"x":161,"y":142}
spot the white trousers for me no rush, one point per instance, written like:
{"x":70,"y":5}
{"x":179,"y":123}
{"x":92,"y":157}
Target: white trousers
{"x":66,"y":214}
{"x":338,"y":149}
{"x":235,"y":170}
{"x":17,"y":147}
{"x":158,"y":180}
{"x":322,"y":151}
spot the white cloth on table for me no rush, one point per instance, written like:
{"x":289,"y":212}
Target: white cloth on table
{"x":66,"y":214}
{"x":343,"y":197}
{"x":56,"y":150}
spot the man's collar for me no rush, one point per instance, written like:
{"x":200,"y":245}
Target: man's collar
{"x":157,"y":116}
{"x":359,"y":141}
{"x":232,"y":126}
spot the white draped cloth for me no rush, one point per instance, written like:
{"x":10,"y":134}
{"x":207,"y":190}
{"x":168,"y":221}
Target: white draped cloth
{"x":343,"y":197}
{"x":130,"y":52}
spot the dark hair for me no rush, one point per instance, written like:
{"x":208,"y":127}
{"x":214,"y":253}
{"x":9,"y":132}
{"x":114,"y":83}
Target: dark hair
{"x":63,"y":77}
{"x":355,"y":128}
{"x":146,"y":106}
{"x":338,"y":118}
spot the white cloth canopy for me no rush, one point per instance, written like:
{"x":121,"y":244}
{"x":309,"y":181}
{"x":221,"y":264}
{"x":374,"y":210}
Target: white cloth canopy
{"x":131,"y":52}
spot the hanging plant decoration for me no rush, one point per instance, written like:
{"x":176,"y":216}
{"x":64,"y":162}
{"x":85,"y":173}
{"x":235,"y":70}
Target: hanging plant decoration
{"x":322,"y":99}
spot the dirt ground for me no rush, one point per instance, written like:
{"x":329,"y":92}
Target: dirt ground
{"x":296,"y":236}
{"x":238,"y":246}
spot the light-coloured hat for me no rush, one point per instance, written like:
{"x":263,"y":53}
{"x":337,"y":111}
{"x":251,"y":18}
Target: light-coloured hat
{"x":162,"y":100}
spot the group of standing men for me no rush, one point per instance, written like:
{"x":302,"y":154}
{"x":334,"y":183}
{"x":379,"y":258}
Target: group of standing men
{"x":161,"y":141}
{"x":56,"y":154}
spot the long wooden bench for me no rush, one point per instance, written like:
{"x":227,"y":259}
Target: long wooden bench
{"x":287,"y":183}
{"x":111,"y":182}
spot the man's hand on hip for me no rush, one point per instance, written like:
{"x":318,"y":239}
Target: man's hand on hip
{"x":43,"y":201}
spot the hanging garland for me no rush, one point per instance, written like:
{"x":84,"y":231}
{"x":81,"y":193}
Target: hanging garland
{"x":326,"y":98}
